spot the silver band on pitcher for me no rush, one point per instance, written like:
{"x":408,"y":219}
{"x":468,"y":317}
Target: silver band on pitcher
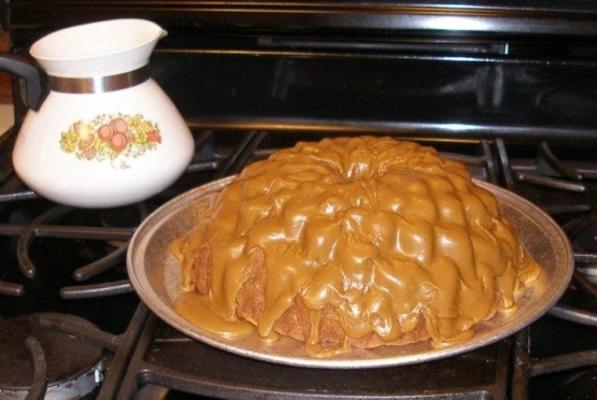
{"x":99,"y":84}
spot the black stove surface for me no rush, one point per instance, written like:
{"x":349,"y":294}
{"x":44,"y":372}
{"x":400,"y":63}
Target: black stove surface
{"x":516,"y":107}
{"x":60,"y":247}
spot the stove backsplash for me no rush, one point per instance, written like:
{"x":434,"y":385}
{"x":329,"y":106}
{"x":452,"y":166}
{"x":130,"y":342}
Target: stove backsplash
{"x":234,"y":65}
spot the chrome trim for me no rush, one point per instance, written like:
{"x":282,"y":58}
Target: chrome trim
{"x":99,"y":84}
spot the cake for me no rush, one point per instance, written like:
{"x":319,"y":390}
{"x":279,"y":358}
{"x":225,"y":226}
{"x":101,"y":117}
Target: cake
{"x":352,"y":242}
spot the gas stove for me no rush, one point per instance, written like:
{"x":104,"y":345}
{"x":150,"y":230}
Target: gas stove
{"x":515,"y":102}
{"x":65,"y":286}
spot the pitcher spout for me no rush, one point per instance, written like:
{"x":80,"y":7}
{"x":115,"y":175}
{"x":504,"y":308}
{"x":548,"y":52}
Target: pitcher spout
{"x":98,"y":49}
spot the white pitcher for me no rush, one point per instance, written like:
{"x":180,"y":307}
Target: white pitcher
{"x":106,"y":134}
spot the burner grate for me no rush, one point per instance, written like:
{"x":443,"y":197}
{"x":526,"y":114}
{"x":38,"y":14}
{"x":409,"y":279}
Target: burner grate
{"x":152,"y":360}
{"x":167,"y":359}
{"x":526,"y":367}
{"x":36,"y":360}
{"x":39,"y":387}
{"x":575,"y":200}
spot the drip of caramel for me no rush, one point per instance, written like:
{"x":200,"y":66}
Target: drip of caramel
{"x":388,"y":235}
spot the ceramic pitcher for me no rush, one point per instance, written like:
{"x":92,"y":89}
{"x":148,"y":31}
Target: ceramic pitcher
{"x":106,"y":134}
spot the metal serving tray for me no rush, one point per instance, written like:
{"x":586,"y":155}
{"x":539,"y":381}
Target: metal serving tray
{"x":156,"y":276}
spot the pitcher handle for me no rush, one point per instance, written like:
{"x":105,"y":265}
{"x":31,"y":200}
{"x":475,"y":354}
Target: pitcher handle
{"x":31,"y":75}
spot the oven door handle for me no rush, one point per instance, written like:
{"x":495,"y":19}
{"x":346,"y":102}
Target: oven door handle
{"x":33,"y":92}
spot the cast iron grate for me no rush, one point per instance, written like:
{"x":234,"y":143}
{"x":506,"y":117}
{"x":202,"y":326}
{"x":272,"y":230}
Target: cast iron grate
{"x":208,"y":159}
{"x":571,"y":197}
{"x":151,"y":360}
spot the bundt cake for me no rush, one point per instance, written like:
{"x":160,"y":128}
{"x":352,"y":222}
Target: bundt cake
{"x":358,"y":242}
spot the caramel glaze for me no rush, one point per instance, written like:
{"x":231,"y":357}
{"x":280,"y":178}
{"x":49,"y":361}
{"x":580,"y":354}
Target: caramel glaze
{"x":386,"y":232}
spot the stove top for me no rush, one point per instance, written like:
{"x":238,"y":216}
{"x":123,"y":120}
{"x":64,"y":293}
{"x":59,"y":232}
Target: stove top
{"x":507,"y":87}
{"x":64,"y":273}
{"x":31,"y":356}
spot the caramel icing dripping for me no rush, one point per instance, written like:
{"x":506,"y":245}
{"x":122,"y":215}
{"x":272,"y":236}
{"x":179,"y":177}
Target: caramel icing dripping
{"x":386,"y":232}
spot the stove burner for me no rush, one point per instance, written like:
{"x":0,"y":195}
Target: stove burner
{"x":73,"y":368}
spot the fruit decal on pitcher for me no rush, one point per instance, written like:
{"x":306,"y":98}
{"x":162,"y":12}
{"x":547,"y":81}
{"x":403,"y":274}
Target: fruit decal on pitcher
{"x":108,"y":137}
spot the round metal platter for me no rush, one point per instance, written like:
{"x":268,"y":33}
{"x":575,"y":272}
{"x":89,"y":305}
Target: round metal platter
{"x":156,"y":276}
